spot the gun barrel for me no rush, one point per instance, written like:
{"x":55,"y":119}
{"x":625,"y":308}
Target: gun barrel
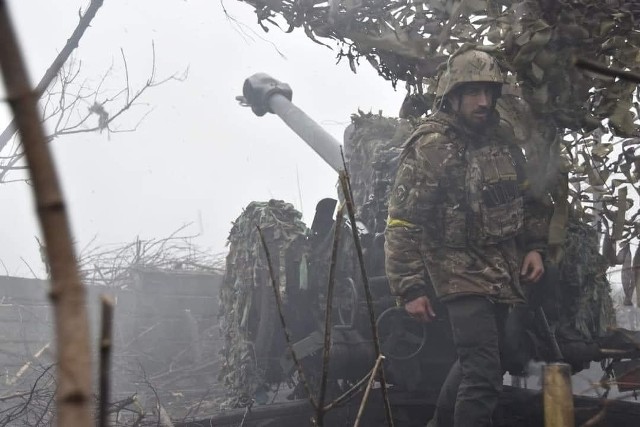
{"x":266,"y":94}
{"x":311,"y":132}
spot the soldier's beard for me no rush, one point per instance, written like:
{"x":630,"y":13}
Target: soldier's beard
{"x":477,"y":119}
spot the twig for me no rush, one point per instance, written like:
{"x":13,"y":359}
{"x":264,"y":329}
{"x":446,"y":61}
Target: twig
{"x":328,"y":318}
{"x":276,"y":290}
{"x":368,"y":390}
{"x":349,"y":393}
{"x":106,"y":119}
{"x":346,"y":191}
{"x":121,"y":404}
{"x":163,"y":418}
{"x":68,"y":294}
{"x":45,"y":411}
{"x":194,"y":409}
{"x":27,"y":365}
{"x":35,"y":276}
{"x":57,"y":63}
{"x":14,"y":396}
{"x":105,"y":358}
{"x":126,"y":74}
{"x":113,"y":265}
{"x":299,"y":191}
{"x":246,"y":412}
{"x":30,"y":394}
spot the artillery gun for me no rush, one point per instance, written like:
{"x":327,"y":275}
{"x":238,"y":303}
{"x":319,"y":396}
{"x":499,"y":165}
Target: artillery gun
{"x":257,"y":365}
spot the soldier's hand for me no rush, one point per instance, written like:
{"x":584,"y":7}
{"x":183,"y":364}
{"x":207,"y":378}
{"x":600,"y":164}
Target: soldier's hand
{"x":420,"y":308}
{"x":532,"y":267}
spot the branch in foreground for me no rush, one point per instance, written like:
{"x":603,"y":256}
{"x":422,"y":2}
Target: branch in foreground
{"x":67,"y":294}
{"x":105,"y":358}
{"x":276,"y":291}
{"x":320,"y":411}
{"x":345,"y":185}
{"x":368,"y":390}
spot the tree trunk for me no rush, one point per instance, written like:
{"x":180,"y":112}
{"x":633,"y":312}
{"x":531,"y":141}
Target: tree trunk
{"x":67,"y":293}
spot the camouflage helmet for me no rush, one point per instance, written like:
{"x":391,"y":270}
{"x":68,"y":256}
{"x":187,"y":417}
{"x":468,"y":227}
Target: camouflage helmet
{"x":467,"y":67}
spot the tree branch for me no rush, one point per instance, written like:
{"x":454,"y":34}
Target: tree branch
{"x":58,"y":62}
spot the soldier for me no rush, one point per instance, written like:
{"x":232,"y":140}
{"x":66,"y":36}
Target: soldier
{"x":461,"y":220}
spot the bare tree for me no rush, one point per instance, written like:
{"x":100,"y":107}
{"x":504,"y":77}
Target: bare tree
{"x":72,"y":106}
{"x":58,"y":62}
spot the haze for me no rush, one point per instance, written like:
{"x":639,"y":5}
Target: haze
{"x":197,"y":158}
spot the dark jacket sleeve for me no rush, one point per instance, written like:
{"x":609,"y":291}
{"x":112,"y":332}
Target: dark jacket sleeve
{"x":414,"y":195}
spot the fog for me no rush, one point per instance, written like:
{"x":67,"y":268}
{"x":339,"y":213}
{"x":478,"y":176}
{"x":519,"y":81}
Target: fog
{"x":185,"y":157}
{"x":169,"y":177}
{"x":196,"y":157}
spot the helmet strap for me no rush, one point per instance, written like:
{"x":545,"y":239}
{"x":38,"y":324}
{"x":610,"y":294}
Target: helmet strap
{"x":454,"y":99}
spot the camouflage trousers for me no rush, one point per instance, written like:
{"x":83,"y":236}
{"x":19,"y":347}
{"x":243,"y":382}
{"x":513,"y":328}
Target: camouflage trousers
{"x":470,"y":393}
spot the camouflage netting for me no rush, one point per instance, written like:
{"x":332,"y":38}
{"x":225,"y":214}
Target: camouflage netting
{"x":246,"y":295}
{"x":569,"y":120}
{"x":535,"y":39}
{"x":372,"y":145}
{"x":585,"y":292}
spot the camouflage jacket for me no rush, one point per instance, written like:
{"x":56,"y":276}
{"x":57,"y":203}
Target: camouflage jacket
{"x":460,"y":213}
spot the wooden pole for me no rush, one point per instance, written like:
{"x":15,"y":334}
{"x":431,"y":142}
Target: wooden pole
{"x":557,"y":395}
{"x":106,"y":342}
{"x":275,"y":284}
{"x":345,"y":184}
{"x":328,"y":319}
{"x":372,"y":378}
{"x":73,"y":393}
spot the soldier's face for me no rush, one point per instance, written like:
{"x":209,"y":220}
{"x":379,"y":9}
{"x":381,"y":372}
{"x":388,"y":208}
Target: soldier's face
{"x":475,"y":102}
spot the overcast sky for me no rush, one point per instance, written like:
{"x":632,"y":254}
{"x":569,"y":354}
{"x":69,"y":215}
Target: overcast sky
{"x":198,"y":157}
